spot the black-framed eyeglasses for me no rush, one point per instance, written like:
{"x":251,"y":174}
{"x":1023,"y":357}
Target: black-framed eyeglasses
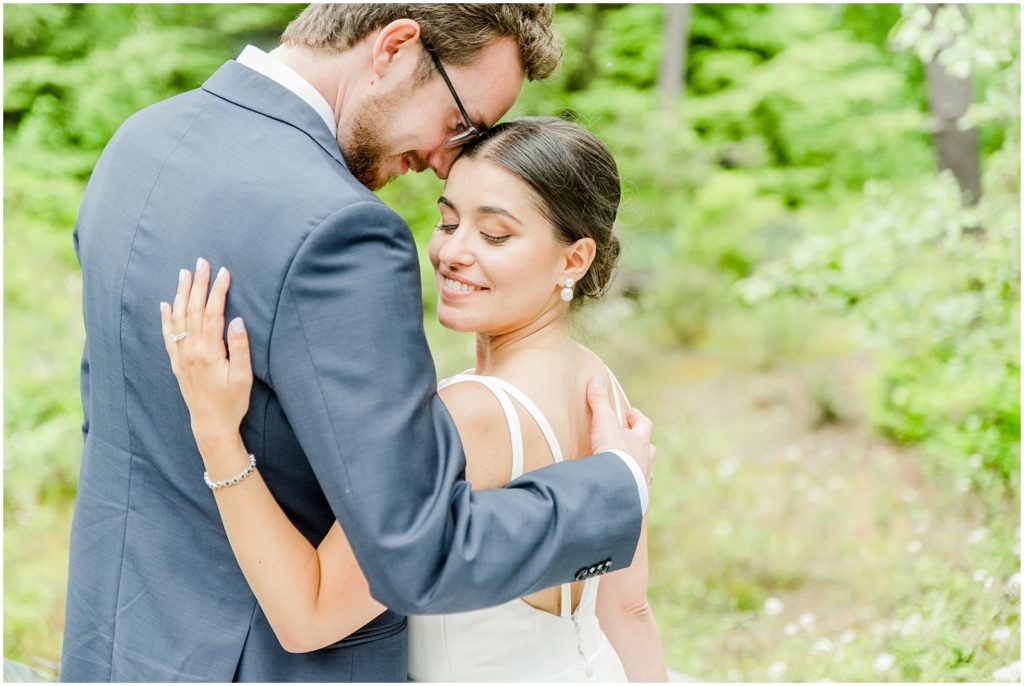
{"x":471,"y":131}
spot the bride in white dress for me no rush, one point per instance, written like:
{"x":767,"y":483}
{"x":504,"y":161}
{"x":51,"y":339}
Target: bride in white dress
{"x":525,"y":236}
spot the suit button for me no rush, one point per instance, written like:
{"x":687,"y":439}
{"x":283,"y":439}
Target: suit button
{"x":581,"y":575}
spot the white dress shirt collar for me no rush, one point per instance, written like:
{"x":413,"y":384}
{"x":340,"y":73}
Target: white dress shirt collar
{"x":276,"y":70}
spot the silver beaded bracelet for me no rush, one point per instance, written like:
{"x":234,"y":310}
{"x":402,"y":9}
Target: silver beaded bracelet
{"x":214,"y":485}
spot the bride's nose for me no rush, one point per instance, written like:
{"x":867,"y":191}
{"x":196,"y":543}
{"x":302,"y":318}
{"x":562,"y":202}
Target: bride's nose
{"x":456,"y":250}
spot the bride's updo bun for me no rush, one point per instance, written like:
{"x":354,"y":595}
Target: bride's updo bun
{"x":574,"y":178}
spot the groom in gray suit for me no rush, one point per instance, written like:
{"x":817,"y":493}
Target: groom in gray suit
{"x":268,"y":168}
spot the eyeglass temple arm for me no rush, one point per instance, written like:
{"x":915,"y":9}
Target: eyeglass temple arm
{"x":447,"y":81}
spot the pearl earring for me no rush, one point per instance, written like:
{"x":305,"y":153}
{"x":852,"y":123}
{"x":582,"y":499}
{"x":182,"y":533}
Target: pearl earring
{"x":567,"y":291}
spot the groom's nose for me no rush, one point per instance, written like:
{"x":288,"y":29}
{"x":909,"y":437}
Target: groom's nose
{"x":441,"y":160}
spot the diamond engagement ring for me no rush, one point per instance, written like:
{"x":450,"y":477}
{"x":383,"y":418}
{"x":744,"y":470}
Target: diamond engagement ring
{"x":179,"y":336}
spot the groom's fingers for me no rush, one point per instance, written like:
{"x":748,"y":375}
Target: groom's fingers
{"x":639,"y":422}
{"x":604,"y":424}
{"x":213,"y":325}
{"x":197,"y":300}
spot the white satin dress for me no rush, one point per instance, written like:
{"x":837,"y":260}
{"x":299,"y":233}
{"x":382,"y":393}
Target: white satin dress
{"x":516,"y":642}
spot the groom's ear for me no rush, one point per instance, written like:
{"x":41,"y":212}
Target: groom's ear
{"x":397,"y":45}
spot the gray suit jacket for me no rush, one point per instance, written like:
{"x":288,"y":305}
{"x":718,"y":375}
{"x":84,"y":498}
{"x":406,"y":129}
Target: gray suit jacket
{"x":344,"y":420}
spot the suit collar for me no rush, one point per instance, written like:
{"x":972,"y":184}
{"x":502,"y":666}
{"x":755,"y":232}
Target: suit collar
{"x":253,"y":91}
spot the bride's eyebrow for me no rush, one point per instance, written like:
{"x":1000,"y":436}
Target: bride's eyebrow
{"x":487,"y":209}
{"x":446,"y":202}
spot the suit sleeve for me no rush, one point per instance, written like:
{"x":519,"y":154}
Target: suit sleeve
{"x":350,"y":364}
{"x":84,"y":387}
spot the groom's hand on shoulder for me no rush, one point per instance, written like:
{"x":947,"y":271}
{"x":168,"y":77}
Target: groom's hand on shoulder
{"x":607,"y":434}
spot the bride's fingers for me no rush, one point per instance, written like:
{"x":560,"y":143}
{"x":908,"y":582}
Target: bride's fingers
{"x":197,"y":300}
{"x":167,"y":328}
{"x":181,"y":300}
{"x":213,"y":325}
{"x":240,"y":369}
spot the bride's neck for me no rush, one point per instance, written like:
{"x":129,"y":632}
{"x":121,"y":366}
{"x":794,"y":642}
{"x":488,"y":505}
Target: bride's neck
{"x":495,"y":352}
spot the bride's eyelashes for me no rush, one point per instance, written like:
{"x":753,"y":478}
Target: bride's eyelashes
{"x":496,"y":240}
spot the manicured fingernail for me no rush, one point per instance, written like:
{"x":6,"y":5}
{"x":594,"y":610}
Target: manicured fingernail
{"x":199,"y":264}
{"x":221,"y":272}
{"x":181,"y":275}
{"x":164,"y":308}
{"x":597,"y":381}
{"x":237,"y":325}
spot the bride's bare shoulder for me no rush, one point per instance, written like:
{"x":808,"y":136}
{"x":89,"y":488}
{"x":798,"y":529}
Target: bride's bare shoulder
{"x":483,"y":430}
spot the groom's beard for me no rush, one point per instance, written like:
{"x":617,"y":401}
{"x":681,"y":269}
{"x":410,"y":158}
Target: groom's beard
{"x":365,"y":150}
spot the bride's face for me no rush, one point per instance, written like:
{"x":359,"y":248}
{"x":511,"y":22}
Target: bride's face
{"x":497,"y":263}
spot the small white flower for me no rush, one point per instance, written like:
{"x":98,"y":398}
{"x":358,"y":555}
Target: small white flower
{"x":920,"y":526}
{"x":773,"y":607}
{"x":792,"y":453}
{"x":777,"y":671}
{"x":791,"y":629}
{"x":806,"y":620}
{"x":815,"y":495}
{"x":1008,"y":674}
{"x":884,"y":662}
{"x":1001,"y":634}
{"x":914,"y":547}
{"x":847,"y":636}
{"x":979,"y":575}
{"x":735,"y":675}
{"x":908,"y":495}
{"x":977,"y":536}
{"x":974,"y":461}
{"x":834,"y":483}
{"x":728,"y":467}
{"x":963,"y":485}
{"x":723,"y":529}
{"x":987,"y":585}
{"x":910,"y":625}
{"x":822,"y":645}
{"x":799,"y":481}
{"x":1012,"y":585}
{"x":879,"y":628}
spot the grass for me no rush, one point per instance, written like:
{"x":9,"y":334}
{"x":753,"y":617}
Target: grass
{"x":788,"y":542}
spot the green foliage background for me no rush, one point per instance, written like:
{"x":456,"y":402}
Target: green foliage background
{"x":789,"y":211}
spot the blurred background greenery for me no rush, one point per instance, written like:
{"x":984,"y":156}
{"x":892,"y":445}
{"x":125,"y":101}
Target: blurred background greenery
{"x":824,"y":327}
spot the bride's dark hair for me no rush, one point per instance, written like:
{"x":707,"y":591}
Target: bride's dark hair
{"x":575,"y":180}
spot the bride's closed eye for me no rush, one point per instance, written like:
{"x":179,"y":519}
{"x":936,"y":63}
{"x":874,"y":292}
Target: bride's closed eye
{"x":447,"y":228}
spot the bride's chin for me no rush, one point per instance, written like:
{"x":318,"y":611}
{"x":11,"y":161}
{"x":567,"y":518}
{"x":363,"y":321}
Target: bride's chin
{"x":454,"y":324}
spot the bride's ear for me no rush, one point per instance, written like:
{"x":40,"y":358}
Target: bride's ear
{"x":578,"y":258}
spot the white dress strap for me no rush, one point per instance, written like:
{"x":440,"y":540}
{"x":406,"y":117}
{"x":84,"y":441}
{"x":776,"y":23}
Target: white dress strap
{"x":515,"y":431}
{"x":617,"y":390}
{"x":538,"y":416}
{"x":502,"y":390}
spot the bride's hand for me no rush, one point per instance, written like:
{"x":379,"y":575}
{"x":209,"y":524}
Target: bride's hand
{"x":215,"y":386}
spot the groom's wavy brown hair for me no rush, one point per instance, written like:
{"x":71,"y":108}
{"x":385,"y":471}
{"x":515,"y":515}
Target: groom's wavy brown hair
{"x":456,"y":32}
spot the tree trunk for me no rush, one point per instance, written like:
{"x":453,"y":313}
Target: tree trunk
{"x":580,"y":78}
{"x":674,"y":43}
{"x":948,"y":99}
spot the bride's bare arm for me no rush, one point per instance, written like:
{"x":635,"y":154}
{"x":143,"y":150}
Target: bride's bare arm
{"x":312,"y":597}
{"x":627,"y":619}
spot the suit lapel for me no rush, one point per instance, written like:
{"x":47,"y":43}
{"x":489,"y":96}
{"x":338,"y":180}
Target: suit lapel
{"x":253,"y":91}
